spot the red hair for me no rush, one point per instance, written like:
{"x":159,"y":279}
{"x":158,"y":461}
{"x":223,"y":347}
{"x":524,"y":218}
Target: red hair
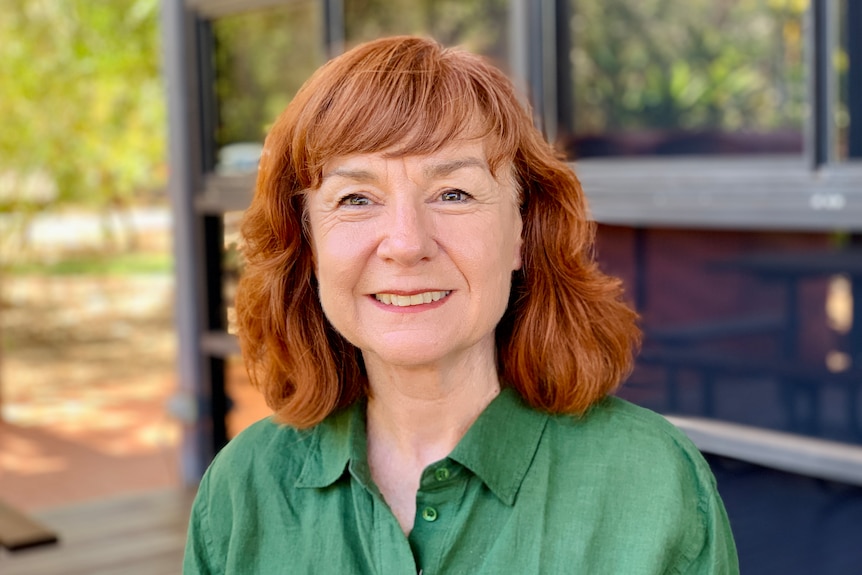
{"x":566,"y":339}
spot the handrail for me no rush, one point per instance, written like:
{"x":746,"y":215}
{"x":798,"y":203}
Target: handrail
{"x":820,"y":458}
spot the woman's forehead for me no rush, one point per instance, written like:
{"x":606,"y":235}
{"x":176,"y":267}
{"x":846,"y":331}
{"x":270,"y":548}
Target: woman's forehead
{"x":423,"y":132}
{"x":451,"y":157}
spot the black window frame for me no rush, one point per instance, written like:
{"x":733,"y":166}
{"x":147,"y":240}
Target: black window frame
{"x":809,"y":192}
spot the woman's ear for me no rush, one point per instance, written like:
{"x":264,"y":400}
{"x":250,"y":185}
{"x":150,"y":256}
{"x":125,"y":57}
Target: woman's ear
{"x":517,"y":256}
{"x":520,"y":212}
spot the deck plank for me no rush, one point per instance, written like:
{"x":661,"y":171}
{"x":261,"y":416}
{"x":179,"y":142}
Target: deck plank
{"x":135,"y":534}
{"x":19,"y":531}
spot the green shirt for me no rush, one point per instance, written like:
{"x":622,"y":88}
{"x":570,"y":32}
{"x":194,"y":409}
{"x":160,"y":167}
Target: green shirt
{"x":618,"y":491}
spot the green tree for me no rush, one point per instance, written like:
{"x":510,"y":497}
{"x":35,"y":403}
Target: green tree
{"x":82,"y":99}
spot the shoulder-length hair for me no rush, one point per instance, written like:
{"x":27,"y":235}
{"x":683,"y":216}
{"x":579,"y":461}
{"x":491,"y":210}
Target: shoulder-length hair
{"x":565,"y":341}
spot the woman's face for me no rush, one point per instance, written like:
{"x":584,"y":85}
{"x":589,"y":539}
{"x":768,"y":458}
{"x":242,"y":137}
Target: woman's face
{"x":414,"y":255}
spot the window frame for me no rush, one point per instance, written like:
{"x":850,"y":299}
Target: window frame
{"x":811,"y":191}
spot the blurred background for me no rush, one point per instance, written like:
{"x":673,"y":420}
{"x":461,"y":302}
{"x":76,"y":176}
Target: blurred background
{"x":718,"y":143}
{"x":86,"y":274}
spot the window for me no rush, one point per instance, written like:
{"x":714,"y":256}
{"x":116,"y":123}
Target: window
{"x":261,"y":58}
{"x":733,"y":114}
{"x":847,"y":63}
{"x":479,"y":25}
{"x":685,"y":77}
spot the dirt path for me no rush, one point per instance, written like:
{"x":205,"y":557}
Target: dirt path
{"x":87,"y":367}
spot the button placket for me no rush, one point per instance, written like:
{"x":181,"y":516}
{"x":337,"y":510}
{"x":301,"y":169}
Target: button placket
{"x":441,"y":487}
{"x":437,"y":477}
{"x":442,"y":474}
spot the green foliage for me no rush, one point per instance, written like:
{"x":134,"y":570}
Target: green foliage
{"x":478,"y":25}
{"x":81,"y":97}
{"x":689,"y":64}
{"x":261,"y":59}
{"x":98,"y":264}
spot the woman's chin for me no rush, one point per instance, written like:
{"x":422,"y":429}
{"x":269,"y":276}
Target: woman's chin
{"x":404,"y":352}
{"x":408,"y":357}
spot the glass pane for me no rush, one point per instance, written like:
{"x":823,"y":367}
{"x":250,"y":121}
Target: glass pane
{"x":480,"y":26}
{"x":686,"y":77}
{"x":261,"y":60}
{"x":847,"y":61}
{"x":758,"y":328}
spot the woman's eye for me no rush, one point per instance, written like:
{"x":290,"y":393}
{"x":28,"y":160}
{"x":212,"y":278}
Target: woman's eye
{"x":354,"y":200}
{"x":454,"y":196}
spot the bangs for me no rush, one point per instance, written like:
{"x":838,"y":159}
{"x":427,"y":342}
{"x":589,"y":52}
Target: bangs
{"x":411,"y":98}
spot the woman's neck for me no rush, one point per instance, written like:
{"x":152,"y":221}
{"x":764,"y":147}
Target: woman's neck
{"x":422,"y":412}
{"x":425,"y":428}
{"x":417,"y":416}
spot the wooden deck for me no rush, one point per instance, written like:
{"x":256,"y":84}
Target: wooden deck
{"x":133,"y":535}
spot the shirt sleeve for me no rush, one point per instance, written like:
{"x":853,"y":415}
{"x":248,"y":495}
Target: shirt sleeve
{"x":198,"y":559}
{"x":718,"y":555}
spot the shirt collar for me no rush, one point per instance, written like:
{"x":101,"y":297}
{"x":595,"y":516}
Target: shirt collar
{"x":333,"y":447}
{"x":499,"y":446}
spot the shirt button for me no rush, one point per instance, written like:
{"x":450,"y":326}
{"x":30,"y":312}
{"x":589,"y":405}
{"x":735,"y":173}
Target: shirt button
{"x":429,"y":514}
{"x":442,"y":474}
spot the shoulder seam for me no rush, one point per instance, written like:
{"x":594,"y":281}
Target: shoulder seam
{"x":206,"y":519}
{"x":689,"y":451}
{"x":689,"y":555}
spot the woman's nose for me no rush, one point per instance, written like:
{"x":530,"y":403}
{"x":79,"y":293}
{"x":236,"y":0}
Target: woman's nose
{"x":407,"y":237}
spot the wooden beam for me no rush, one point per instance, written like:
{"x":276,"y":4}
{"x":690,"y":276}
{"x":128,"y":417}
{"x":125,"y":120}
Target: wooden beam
{"x":18,"y":531}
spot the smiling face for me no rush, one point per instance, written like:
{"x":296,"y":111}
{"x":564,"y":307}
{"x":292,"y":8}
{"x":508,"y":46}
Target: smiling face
{"x":414,"y":254}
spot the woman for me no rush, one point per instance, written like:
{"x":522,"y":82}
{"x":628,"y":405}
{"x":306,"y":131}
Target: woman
{"x":421,"y":309}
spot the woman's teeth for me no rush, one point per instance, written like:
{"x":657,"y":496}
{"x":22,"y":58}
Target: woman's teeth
{"x":408,"y":300}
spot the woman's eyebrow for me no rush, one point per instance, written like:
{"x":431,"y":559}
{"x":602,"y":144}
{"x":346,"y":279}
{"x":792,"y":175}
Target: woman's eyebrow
{"x":357,"y":175}
{"x":436,"y":170}
{"x":447,"y":167}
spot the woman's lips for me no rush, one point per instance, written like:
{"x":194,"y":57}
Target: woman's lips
{"x":399,"y":300}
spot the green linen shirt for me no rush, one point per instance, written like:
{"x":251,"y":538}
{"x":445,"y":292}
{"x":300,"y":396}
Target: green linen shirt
{"x":617,"y":491}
